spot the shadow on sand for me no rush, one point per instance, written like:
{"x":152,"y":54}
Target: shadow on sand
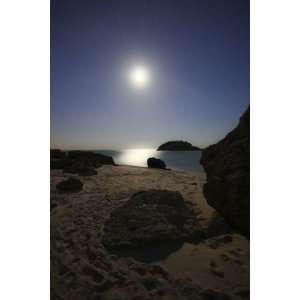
{"x":150,"y":253}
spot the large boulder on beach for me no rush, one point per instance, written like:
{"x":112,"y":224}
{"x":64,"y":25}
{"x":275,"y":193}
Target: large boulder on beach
{"x":70,"y":185}
{"x":156,"y":163}
{"x":227,"y":165}
{"x":151,"y":217}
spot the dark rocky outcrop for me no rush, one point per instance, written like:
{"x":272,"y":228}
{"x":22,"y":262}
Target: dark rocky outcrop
{"x":81,"y":167}
{"x":177,"y":146}
{"x":61,"y":163}
{"x":156,"y":163}
{"x":227,"y":165}
{"x":217,"y":225}
{"x":70,"y":185}
{"x":151,"y":217}
{"x":79,"y":162}
{"x":96,"y":159}
{"x":57,"y":154}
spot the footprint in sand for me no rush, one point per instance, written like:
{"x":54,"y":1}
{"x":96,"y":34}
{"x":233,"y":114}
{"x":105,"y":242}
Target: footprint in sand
{"x":217,"y":273}
{"x":214,"y":271}
{"x":237,"y":261}
{"x":92,"y":272}
{"x":234,"y":253}
{"x":243,"y":293}
{"x":224,"y":257}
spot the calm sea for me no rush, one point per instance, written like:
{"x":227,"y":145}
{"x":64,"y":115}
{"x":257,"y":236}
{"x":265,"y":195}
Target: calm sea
{"x":176,"y":160}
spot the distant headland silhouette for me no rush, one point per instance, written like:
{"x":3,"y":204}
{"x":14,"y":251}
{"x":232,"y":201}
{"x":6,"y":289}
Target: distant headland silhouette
{"x":177,"y":146}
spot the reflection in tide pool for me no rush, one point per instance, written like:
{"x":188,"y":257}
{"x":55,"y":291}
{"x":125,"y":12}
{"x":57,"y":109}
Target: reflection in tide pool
{"x":176,"y":160}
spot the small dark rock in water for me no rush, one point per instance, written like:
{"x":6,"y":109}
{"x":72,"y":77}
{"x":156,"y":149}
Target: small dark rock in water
{"x":71,"y":185}
{"x":150,"y":217}
{"x":227,"y":165}
{"x":157,"y":163}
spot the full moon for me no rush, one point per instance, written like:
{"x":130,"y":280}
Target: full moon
{"x":139,"y":77}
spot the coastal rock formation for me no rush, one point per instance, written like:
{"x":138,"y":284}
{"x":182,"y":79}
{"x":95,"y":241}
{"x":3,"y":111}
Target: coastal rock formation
{"x":78,"y":162}
{"x":96,"y":159}
{"x":177,"y":146}
{"x":71,"y":185}
{"x":156,"y":163}
{"x":217,"y":226}
{"x":81,"y":167}
{"x":57,"y":153}
{"x":227,"y":165}
{"x":151,"y":217}
{"x":60,"y":163}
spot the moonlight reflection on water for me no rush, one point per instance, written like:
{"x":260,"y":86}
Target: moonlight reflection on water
{"x":176,"y":160}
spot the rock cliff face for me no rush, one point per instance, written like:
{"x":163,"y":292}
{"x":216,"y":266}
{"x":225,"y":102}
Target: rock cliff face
{"x":227,"y":165}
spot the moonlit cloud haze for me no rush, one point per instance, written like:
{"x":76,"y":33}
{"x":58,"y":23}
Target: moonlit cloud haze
{"x":127,"y":74}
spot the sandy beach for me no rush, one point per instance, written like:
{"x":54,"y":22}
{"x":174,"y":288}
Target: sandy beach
{"x":82,"y":268}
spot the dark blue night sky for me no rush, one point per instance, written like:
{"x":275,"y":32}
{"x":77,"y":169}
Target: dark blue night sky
{"x":197,"y":54}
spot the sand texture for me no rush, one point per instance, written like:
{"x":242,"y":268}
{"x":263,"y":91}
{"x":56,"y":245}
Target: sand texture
{"x":216,"y":267}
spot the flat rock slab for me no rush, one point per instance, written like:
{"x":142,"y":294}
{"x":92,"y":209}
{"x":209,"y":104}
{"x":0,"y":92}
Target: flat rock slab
{"x":151,"y":217}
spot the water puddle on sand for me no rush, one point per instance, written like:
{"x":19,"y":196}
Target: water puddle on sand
{"x":225,"y":267}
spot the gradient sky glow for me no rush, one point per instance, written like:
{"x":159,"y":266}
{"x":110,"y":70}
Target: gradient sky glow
{"x":197,"y":53}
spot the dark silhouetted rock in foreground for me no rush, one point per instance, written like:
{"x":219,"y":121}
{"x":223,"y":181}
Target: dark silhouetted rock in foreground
{"x":71,"y":185}
{"x":177,"y":146}
{"x":217,"y":225}
{"x":79,"y":162}
{"x":57,"y":153}
{"x":151,"y":217}
{"x":227,"y":165}
{"x":210,"y":294}
{"x":60,"y":163}
{"x":153,"y":162}
{"x":81,"y":167}
{"x":96,"y":159}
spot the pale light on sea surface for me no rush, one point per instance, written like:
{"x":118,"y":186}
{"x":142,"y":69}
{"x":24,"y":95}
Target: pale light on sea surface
{"x":135,"y":157}
{"x":175,"y":160}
